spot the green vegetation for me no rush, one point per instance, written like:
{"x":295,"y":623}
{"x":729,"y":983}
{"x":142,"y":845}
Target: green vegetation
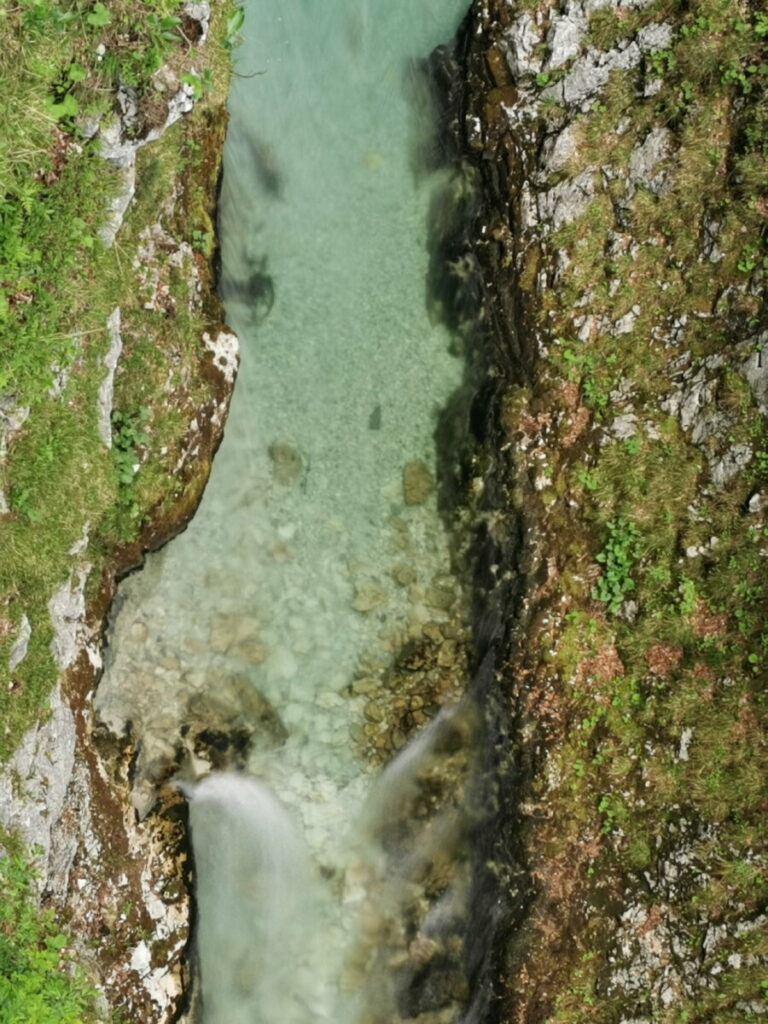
{"x":658,"y":767}
{"x":617,"y":559}
{"x":73,"y":501}
{"x":40,"y":981}
{"x":64,"y":60}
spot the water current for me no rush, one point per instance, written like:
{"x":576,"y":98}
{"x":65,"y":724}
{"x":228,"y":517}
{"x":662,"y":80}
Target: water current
{"x":318,"y":551}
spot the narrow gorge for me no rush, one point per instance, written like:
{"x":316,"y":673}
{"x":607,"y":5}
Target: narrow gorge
{"x":447,"y":705}
{"x":312,"y":620}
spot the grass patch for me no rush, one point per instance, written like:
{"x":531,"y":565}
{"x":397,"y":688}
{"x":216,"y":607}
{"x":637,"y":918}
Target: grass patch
{"x":58,"y":285}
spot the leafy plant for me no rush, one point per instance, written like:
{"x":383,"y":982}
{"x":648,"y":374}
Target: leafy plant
{"x":232,"y":28}
{"x":39,"y":981}
{"x":661,"y":62}
{"x":128,"y":434}
{"x":617,"y":558}
{"x":199,"y":84}
{"x":587,"y":479}
{"x":99,"y":16}
{"x":582,"y":366}
{"x":201,"y":240}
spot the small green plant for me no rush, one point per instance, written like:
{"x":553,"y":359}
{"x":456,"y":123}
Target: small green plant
{"x":749,"y":257}
{"x":99,"y":16}
{"x":127,"y":435}
{"x":22,"y":504}
{"x":201,"y":240}
{"x":617,"y":558}
{"x":232,"y":28}
{"x":742,"y":75}
{"x":163,"y":30}
{"x":661,"y":62}
{"x":609,"y":808}
{"x":199,"y":84}
{"x":587,"y":479}
{"x":582,"y":366}
{"x":687,"y":598}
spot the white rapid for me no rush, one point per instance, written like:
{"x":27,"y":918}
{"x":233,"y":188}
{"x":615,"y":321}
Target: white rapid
{"x":280,"y":941}
{"x":318,"y":550}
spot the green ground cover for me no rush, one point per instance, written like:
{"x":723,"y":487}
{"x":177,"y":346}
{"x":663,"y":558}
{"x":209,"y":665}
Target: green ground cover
{"x":663,"y":757}
{"x":63,"y":61}
{"x":39,"y":980}
{"x":58,"y":284}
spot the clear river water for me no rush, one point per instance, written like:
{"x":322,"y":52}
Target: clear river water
{"x":317,"y":551}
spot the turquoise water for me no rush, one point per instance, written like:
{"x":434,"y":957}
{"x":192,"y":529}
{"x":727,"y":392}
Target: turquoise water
{"x":283,"y":581}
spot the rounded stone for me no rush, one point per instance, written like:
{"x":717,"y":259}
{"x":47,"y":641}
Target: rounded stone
{"x":418,"y":482}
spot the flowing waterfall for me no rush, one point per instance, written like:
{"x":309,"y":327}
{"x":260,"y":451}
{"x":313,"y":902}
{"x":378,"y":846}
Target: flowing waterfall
{"x":279,"y":943}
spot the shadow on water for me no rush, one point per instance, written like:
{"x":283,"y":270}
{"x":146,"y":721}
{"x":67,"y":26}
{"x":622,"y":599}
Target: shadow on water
{"x":254,"y":289}
{"x":263,"y":162}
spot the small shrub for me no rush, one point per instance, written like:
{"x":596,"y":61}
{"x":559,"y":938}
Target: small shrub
{"x":39,"y":982}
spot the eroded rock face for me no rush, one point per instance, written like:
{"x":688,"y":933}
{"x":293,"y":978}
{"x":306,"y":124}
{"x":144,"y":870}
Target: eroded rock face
{"x":578,"y":170}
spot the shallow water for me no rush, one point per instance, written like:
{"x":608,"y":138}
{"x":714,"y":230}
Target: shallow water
{"x":304,"y":568}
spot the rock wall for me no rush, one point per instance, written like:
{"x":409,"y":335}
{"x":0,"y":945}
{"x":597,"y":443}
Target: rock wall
{"x":620,"y":475}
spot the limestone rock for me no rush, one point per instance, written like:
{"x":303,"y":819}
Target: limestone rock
{"x":67,"y":611}
{"x":568,"y":200}
{"x":201,"y":13}
{"x":523,"y":40}
{"x":107,"y":387}
{"x":12,"y":419}
{"x":755,"y":369}
{"x":565,"y":36}
{"x":559,"y":149}
{"x":654,"y":148}
{"x":19,"y":650}
{"x":34,"y":782}
{"x":225,"y":350}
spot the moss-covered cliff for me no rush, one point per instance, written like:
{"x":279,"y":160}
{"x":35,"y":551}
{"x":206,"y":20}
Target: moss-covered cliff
{"x":622,"y":154}
{"x":115,"y":375}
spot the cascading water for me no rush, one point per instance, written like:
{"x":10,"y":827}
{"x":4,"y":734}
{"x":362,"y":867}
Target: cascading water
{"x":269,"y":636}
